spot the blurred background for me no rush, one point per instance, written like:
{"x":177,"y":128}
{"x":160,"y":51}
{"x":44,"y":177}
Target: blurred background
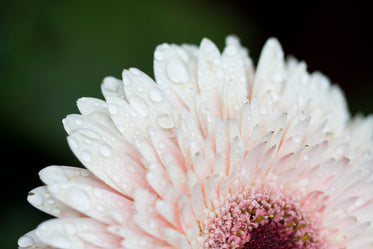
{"x":53,"y":52}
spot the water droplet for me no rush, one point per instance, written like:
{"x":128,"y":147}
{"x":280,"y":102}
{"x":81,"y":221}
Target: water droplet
{"x":130,"y":168}
{"x":50,"y":201}
{"x":105,"y":150}
{"x":86,"y":156}
{"x":98,"y":193}
{"x":35,"y":198}
{"x":135,"y":71}
{"x":177,"y":71}
{"x":158,"y":55}
{"x":156,"y":95}
{"x":78,"y":199}
{"x":59,"y":241}
{"x":56,"y":211}
{"x":111,"y":84}
{"x":166,"y":122}
{"x":140,"y":105}
{"x":116,"y":178}
{"x":113,"y":109}
{"x":78,"y":121}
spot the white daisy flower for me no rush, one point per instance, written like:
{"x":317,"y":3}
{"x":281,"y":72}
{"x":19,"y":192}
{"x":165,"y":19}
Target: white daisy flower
{"x":212,"y":154}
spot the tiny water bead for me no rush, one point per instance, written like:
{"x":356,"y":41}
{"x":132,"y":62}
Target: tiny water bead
{"x":254,"y":218}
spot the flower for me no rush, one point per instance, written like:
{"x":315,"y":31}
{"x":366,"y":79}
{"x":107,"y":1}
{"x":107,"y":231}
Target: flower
{"x":212,"y":155}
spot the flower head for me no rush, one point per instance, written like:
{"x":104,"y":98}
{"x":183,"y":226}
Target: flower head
{"x":214,"y":154}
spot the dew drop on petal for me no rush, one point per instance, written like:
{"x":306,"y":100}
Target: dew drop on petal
{"x":56,"y":211}
{"x":156,"y":95}
{"x":78,"y":121}
{"x":105,"y":150}
{"x":60,"y":241}
{"x":113,"y":109}
{"x":177,"y":71}
{"x":165,"y":122}
{"x":140,"y":105}
{"x":78,"y":199}
{"x":98,"y":193}
{"x":86,"y":156}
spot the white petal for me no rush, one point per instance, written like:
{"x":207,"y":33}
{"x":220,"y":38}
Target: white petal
{"x":270,"y":72}
{"x":175,"y":72}
{"x":92,"y":201}
{"x":42,"y":199}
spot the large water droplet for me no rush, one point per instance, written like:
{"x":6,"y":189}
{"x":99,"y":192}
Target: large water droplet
{"x":105,"y":150}
{"x":177,"y":71}
{"x":156,"y":95}
{"x":166,"y":122}
{"x":140,"y":105}
{"x":78,"y":199}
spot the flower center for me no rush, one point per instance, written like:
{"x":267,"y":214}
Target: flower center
{"x":270,"y":236}
{"x":258,"y":218}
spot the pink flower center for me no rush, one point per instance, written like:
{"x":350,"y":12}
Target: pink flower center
{"x":259,"y":218}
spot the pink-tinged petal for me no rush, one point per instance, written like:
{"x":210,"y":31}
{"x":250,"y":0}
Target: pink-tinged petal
{"x":270,"y":71}
{"x":166,"y":149}
{"x":108,"y":162}
{"x":198,"y":200}
{"x":92,"y":201}
{"x":238,"y":67}
{"x":65,"y":233}
{"x":147,"y":99}
{"x":61,"y":174}
{"x":31,"y":241}
{"x":175,"y":72}
{"x":42,"y":199}
{"x":158,"y":179}
{"x":176,"y":239}
{"x":209,"y":85}
{"x":146,"y":215}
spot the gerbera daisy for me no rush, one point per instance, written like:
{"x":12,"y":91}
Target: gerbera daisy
{"x":212,"y":154}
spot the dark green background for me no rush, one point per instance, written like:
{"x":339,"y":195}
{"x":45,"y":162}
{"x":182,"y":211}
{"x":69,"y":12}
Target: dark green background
{"x":53,"y":52}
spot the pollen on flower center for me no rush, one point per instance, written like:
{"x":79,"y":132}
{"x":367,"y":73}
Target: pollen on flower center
{"x":259,"y":218}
